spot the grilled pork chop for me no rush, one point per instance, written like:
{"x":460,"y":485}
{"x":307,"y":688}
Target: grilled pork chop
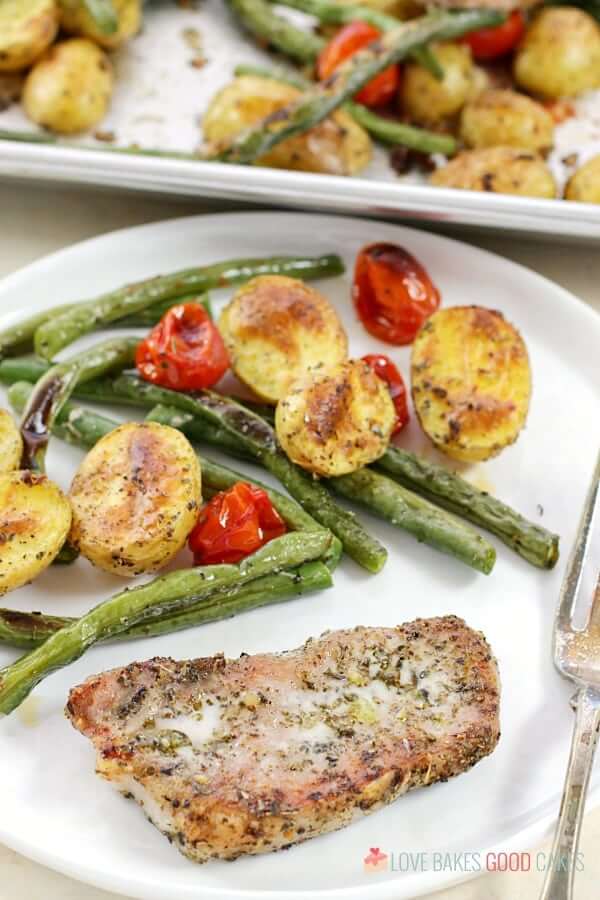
{"x":243,"y":756}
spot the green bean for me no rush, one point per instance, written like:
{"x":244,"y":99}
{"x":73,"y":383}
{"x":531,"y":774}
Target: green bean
{"x":321,"y":100}
{"x":344,"y":13}
{"x":535,"y":544}
{"x":104,"y":15}
{"x":29,"y":630}
{"x":170,"y":593}
{"x":426,"y":522}
{"x":150,"y":316}
{"x":258,"y":18}
{"x":55,"y":387}
{"x":388,"y":131}
{"x":61,"y":330}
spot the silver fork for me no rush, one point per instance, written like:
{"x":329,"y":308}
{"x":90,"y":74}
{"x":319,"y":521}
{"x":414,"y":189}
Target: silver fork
{"x":576,"y":656}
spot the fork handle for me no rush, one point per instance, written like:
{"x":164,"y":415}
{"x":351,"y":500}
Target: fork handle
{"x":559,"y":877}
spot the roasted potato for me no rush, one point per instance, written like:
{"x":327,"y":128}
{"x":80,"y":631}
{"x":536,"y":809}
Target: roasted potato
{"x":35,"y":517}
{"x":337,"y":146}
{"x":69,"y":88}
{"x":337,"y":419}
{"x":497,"y":118}
{"x":501,"y":170}
{"x":135,"y":498}
{"x":471,"y":381}
{"x":584,"y":185}
{"x":275,"y":329}
{"x":76,"y":20}
{"x":27,"y":27}
{"x":560,"y":53}
{"x":430,"y":102}
{"x":11,"y":443}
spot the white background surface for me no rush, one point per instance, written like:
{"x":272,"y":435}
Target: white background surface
{"x":32,"y":224}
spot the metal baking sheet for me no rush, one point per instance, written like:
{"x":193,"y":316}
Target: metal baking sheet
{"x":161,"y":91}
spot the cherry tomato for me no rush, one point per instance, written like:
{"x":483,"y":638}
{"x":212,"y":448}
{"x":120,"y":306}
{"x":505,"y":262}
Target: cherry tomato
{"x":348,"y":41}
{"x":489,"y":43}
{"x":184,"y":351}
{"x":385,"y":369}
{"x":234,"y":524}
{"x":392,"y":292}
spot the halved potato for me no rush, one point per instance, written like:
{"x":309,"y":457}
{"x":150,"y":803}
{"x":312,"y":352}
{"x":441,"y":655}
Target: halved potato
{"x":11,"y":443}
{"x":135,"y":498}
{"x":69,"y":88}
{"x":584,"y":185}
{"x":336,"y":146}
{"x":499,"y":170}
{"x":35,"y":517}
{"x":76,"y":19}
{"x":27,"y":27}
{"x":336,"y":420}
{"x":471,"y":381}
{"x":275,"y":329}
{"x":501,"y":118}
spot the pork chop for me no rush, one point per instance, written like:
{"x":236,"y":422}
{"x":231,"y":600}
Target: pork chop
{"x":240,"y":756}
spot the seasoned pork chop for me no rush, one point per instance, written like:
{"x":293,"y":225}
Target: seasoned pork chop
{"x":254,"y":754}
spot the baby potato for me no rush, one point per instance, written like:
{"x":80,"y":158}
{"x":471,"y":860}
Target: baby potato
{"x":69,"y":88}
{"x":501,"y":170}
{"x":560,"y":53}
{"x":429,"y":101}
{"x":471,"y":381}
{"x":584,"y":185}
{"x":27,"y":27}
{"x":135,"y":498}
{"x":497,"y":118}
{"x":11,"y":443}
{"x":337,"y":419}
{"x":337,"y":146}
{"x":35,"y":517}
{"x":275,"y":329}
{"x":76,"y":19}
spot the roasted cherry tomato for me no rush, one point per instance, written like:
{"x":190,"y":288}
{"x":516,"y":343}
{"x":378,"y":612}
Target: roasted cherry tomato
{"x":490,"y":43}
{"x":387,"y":371}
{"x":234,"y":524}
{"x":348,"y":41}
{"x":392,"y":292}
{"x":184,"y":351}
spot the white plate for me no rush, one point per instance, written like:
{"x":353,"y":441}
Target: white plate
{"x":55,"y":809}
{"x":159,"y":100}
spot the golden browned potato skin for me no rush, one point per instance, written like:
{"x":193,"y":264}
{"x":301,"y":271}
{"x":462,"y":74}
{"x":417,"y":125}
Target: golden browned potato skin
{"x":584,"y":185}
{"x":11,"y":443}
{"x":275,"y":329}
{"x":428,"y":101}
{"x":471,"y":382}
{"x":502,"y":118}
{"x":27,"y":28}
{"x":560,"y":54}
{"x":69,"y":88}
{"x":337,"y":146}
{"x":500,"y":170}
{"x":336,"y":420}
{"x":76,"y":20}
{"x":35,"y":517}
{"x":135,"y":498}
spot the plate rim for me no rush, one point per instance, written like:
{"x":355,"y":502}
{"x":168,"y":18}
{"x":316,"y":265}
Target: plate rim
{"x":416,"y":884}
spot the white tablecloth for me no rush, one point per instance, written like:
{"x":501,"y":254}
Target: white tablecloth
{"x":36,"y":221}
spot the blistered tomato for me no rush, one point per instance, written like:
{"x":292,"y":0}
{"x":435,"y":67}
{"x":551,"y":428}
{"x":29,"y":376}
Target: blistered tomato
{"x":393,"y":294}
{"x":234,"y":524}
{"x":348,"y":41}
{"x":387,"y":371}
{"x":490,"y":43}
{"x":184,"y":351}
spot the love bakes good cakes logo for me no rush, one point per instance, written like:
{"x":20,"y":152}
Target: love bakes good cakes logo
{"x":467,"y":862}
